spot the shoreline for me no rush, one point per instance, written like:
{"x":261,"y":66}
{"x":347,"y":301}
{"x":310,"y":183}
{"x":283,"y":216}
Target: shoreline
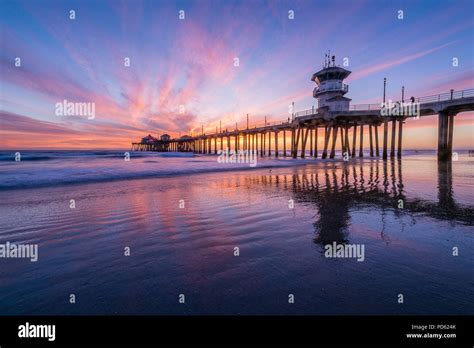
{"x":266,"y":163}
{"x":133,"y":176}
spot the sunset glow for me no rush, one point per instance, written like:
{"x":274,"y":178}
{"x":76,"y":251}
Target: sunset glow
{"x":190,"y":64}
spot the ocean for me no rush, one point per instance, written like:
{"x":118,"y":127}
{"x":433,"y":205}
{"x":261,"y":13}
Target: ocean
{"x":174,"y":234}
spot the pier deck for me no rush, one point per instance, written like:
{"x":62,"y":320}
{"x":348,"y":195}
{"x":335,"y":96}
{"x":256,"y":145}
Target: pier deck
{"x":305,"y":124}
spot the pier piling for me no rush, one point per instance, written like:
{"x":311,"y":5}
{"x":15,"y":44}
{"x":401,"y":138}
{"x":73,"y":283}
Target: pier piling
{"x":400,"y":126}
{"x":354,"y":141}
{"x":334,"y":139}
{"x":306,"y":124}
{"x":392,"y":146}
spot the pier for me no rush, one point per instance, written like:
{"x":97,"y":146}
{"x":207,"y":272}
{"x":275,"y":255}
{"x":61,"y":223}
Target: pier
{"x":336,"y":121}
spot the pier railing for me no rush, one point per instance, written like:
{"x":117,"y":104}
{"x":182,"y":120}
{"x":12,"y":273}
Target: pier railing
{"x":451,"y":95}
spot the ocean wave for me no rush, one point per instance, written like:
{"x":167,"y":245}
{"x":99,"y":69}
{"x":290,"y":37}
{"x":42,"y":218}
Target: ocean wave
{"x":11,"y":158}
{"x":64,"y":155}
{"x":98,"y":166}
{"x":94,"y":178}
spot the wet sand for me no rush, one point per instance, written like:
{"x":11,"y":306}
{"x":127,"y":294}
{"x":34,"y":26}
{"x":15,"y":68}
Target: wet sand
{"x":190,"y":250}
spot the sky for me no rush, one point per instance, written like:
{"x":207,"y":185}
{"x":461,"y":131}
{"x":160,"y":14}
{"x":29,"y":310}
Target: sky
{"x":183,"y":72}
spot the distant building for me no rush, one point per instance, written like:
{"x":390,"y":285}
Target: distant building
{"x":165,"y":137}
{"x":186,"y":137}
{"x":148,"y":139}
{"x":330,"y":89}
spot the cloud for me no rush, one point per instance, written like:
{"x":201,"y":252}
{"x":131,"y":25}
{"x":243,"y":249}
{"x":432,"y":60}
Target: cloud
{"x":374,"y":68}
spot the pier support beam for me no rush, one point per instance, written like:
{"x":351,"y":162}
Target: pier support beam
{"x":392,"y":146}
{"x":385,"y":138}
{"x":445,"y":136}
{"x":295,"y":146}
{"x":371,"y":142}
{"x":310,"y":141}
{"x":361,"y":147}
{"x":327,"y":135}
{"x":270,"y":144}
{"x":334,"y":139}
{"x":377,"y":153}
{"x":354,"y":141}
{"x":303,"y":145}
{"x":292,"y":141}
{"x":255,"y":143}
{"x":316,"y":142}
{"x":343,"y":144}
{"x":400,"y":126}
{"x":450,"y":135}
{"x":276,"y":143}
{"x":284,"y":143}
{"x":347,"y":149}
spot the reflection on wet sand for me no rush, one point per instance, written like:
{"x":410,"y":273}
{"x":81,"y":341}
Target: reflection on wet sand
{"x":336,"y":189}
{"x":191,"y":250}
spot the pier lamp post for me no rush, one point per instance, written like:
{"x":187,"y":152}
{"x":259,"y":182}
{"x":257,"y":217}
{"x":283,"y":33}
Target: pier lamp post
{"x":403,"y":94}
{"x":384,"y":85}
{"x":247,"y":121}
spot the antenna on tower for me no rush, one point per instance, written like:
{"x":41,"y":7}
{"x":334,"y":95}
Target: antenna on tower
{"x":333,"y":60}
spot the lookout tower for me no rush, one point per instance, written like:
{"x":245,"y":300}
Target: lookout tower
{"x":330,"y":89}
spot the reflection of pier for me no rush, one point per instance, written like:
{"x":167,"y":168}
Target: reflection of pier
{"x":334,"y":117}
{"x":335,"y":189}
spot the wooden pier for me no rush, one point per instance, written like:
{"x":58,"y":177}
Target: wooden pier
{"x":299,"y":136}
